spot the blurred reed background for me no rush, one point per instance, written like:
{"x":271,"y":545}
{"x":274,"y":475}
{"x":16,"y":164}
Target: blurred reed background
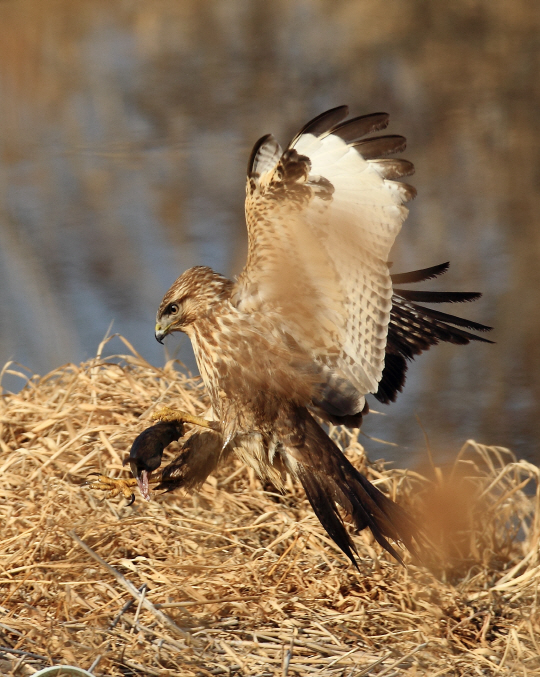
{"x":125,"y":129}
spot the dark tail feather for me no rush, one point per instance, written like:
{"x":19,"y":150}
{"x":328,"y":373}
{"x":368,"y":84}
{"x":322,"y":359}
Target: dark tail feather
{"x":329,"y":478}
{"x":319,"y":494}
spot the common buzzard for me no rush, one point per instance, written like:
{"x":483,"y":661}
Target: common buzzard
{"x":312,"y":325}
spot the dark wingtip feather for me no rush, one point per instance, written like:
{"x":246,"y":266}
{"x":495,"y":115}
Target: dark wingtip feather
{"x":379,"y":146}
{"x":414,"y":328}
{"x":322,"y":123}
{"x":455,"y":320}
{"x":393,"y":168}
{"x":420,"y":275}
{"x":407,"y":191}
{"x":353,"y":130}
{"x":438,"y":296}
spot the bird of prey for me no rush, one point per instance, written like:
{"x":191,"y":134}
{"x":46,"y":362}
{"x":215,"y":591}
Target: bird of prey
{"x":313,"y":324}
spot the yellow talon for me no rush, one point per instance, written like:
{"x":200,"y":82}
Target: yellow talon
{"x":115,"y":486}
{"x":168,"y":415}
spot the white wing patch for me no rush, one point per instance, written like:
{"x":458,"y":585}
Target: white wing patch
{"x":360,"y":194}
{"x":321,"y":222}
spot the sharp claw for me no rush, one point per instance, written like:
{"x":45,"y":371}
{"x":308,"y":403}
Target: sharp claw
{"x":131,"y":500}
{"x":90,"y":482}
{"x":113,"y":486}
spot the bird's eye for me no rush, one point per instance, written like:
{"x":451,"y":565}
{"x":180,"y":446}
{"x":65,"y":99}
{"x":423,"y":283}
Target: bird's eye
{"x":173,"y":309}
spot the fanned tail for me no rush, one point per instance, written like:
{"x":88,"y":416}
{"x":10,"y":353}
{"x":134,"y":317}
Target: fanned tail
{"x":414,"y":328}
{"x":329,"y":480}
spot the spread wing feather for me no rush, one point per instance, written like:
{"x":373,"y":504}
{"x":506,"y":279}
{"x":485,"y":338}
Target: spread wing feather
{"x":420,"y":275}
{"x":322,"y":217}
{"x":414,"y":328}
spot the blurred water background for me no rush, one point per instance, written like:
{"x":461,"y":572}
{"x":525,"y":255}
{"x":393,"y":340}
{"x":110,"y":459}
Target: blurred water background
{"x":125,"y":129}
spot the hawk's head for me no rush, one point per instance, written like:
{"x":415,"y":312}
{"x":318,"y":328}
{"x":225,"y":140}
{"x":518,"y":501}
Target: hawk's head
{"x":189,"y":299}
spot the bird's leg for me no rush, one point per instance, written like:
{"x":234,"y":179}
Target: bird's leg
{"x":167,"y":414}
{"x":119,"y":485}
{"x":146,"y":453}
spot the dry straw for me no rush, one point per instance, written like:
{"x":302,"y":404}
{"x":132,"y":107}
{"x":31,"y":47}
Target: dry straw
{"x":236,"y":579}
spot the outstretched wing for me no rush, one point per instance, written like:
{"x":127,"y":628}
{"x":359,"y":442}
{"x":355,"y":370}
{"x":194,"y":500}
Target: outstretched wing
{"x":322,"y":217}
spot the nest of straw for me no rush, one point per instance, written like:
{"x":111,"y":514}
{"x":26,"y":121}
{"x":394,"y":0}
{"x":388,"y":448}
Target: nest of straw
{"x":236,"y":579}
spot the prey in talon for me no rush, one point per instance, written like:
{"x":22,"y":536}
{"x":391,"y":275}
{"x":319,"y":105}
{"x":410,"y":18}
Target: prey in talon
{"x":144,"y":457}
{"x":146,"y":454}
{"x":147,"y":450}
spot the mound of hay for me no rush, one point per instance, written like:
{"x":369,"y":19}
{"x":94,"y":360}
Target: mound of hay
{"x":238,"y":580}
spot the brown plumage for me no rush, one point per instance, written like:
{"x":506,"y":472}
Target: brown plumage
{"x":312,"y":324}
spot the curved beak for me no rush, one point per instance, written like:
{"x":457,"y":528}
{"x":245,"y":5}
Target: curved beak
{"x":160,"y":333}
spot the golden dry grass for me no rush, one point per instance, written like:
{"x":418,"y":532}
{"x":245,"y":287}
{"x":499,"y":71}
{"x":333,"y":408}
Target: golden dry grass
{"x":237,"y":580}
